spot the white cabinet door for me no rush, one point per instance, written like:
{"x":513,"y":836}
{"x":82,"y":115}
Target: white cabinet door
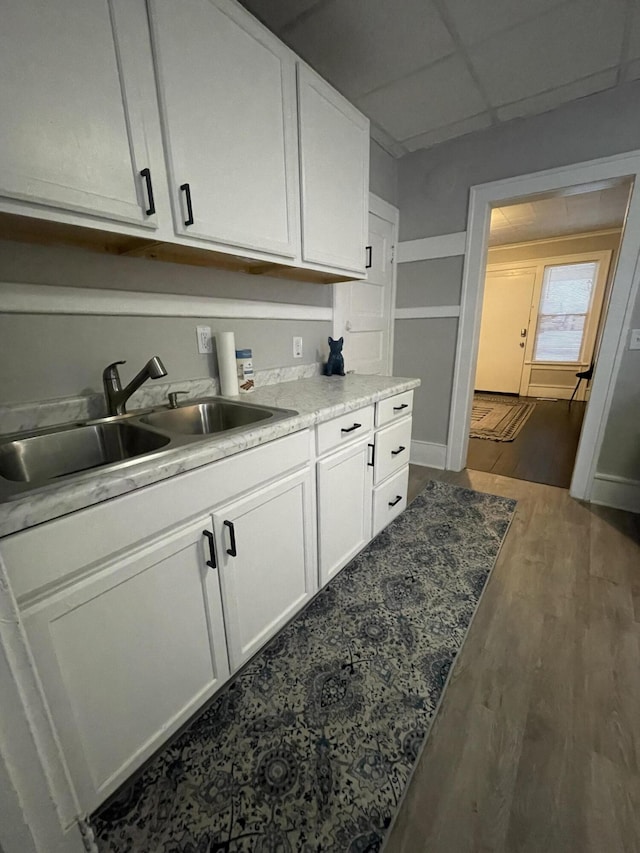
{"x":227,"y":93}
{"x":344,"y":508}
{"x":78,"y":126}
{"x":334,"y":168}
{"x":128,"y":654}
{"x":265,"y":545}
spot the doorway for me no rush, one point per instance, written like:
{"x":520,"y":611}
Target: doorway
{"x":549,"y":272}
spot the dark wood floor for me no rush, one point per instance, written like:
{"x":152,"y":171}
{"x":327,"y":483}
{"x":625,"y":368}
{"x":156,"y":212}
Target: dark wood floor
{"x":543,"y":452}
{"x":536,"y":745}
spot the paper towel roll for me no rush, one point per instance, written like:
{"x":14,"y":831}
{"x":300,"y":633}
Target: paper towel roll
{"x":226,"y":349}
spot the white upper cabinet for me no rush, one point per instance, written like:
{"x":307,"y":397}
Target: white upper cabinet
{"x":334,"y":157}
{"x":77,"y":101}
{"x":227,"y":95}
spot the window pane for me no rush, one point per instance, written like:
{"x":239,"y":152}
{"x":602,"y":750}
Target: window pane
{"x":559,"y":337}
{"x":564,"y":307}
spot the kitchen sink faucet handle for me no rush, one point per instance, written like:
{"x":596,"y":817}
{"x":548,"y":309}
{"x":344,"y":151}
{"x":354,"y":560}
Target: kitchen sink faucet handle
{"x":173,"y":398}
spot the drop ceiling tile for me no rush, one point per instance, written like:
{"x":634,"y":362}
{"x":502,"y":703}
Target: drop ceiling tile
{"x":570,"y":43}
{"x":550,"y":100}
{"x":451,"y":131}
{"x":361,"y":45}
{"x":426,"y":101}
{"x":633,"y":50}
{"x":477,"y":21}
{"x":277,"y":13}
{"x":631,"y":71}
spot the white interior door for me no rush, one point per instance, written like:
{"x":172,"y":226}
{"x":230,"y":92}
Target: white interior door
{"x":506,"y":308}
{"x":363,"y":308}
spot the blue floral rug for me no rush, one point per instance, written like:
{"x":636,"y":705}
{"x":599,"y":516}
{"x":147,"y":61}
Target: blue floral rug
{"x":310,"y":747}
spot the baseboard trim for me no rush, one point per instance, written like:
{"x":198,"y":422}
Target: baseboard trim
{"x":429,"y":454}
{"x":616,"y":492}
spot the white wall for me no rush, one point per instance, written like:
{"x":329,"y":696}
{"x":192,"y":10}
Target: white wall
{"x":433,"y":200}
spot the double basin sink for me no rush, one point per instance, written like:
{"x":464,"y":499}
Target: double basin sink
{"x":33,"y":460}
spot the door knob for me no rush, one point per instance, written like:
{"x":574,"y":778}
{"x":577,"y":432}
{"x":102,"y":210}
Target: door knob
{"x":523,"y":333}
{"x":348,"y":326}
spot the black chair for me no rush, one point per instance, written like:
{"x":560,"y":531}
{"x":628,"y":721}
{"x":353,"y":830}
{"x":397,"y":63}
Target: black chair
{"x":583,"y":374}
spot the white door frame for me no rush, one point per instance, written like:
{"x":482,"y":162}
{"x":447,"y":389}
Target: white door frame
{"x":379,"y":207}
{"x":614,"y":338}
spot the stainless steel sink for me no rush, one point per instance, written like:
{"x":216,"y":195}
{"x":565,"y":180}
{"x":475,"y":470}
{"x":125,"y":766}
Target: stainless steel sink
{"x":69,"y":451}
{"x":39,"y":459}
{"x":208,"y":418}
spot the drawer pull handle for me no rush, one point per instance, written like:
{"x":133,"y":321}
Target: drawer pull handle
{"x":186,"y":189}
{"x":351,"y":429}
{"x":368,"y":253}
{"x":212,"y":562}
{"x":146,"y":174}
{"x":232,"y":535}
{"x":399,"y":450}
{"x":400,"y":408}
{"x":373,"y":455}
{"x":397,"y":500}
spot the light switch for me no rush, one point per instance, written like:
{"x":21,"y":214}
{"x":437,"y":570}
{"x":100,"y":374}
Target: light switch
{"x":297,"y":347}
{"x":634,"y":341}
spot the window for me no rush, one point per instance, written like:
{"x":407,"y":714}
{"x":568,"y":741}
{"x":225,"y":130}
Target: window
{"x":565,"y":303}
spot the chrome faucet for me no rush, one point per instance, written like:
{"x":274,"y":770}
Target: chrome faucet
{"x":117,"y":396}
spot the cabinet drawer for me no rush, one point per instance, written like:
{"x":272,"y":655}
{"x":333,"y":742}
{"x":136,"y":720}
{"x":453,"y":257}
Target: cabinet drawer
{"x":394,"y":408}
{"x":386,"y":505}
{"x":392,"y":446}
{"x":342,"y":430}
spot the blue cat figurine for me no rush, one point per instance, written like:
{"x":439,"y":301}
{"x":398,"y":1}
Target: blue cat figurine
{"x":335,"y":364}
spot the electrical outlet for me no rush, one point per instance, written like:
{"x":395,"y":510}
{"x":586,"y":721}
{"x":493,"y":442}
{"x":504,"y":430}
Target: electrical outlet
{"x":634,"y":341}
{"x":205,"y":341}
{"x":297,"y":347}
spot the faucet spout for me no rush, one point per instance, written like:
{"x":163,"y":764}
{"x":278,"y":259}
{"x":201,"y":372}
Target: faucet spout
{"x":117,"y":396}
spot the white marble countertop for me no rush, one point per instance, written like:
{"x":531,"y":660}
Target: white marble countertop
{"x":316,"y":400}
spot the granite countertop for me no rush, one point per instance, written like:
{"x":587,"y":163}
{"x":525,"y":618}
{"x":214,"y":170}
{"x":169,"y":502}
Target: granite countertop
{"x":316,"y":400}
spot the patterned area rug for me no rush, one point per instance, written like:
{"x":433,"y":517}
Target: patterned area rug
{"x":310,"y":747}
{"x":498,"y":418}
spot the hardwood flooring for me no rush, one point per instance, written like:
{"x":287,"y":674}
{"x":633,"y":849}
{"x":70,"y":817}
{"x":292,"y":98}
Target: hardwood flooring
{"x":543,"y":452}
{"x":536,"y":746}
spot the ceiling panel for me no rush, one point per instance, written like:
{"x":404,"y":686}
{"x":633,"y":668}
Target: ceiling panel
{"x":572,"y":42}
{"x":277,"y":13}
{"x":360,"y":45}
{"x":559,"y":216}
{"x":476,"y":21}
{"x":435,"y":97}
{"x":407,"y":67}
{"x":632,"y":71}
{"x":554,"y":98}
{"x":450,"y":131}
{"x":633,"y":51}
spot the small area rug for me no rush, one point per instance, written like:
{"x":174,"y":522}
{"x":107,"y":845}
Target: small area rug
{"x":498,"y":418}
{"x":310,"y":747}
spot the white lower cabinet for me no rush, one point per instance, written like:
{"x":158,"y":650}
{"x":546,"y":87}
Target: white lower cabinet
{"x":265,"y":554}
{"x":126,"y":655}
{"x":344,"y":507}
